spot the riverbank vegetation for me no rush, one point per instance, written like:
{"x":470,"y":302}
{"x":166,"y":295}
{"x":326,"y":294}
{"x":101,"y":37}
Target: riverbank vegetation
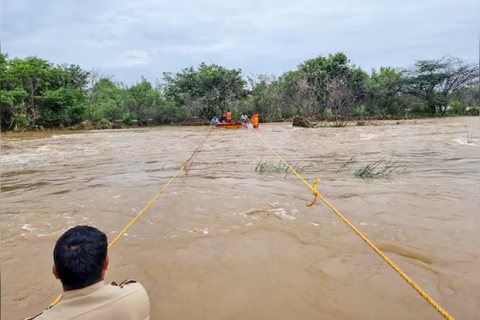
{"x":36,"y":93}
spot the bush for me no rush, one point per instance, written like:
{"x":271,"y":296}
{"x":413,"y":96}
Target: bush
{"x":22,"y":121}
{"x":457,"y":108}
{"x":127,"y":119}
{"x":327,"y":113}
{"x":472,"y":110}
{"x":294,"y":112}
{"x":103,"y":124}
{"x":360,"y":111}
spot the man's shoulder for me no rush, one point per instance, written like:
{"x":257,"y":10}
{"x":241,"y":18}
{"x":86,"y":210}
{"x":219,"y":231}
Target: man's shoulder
{"x":127,"y":285}
{"x":127,"y":289}
{"x":37,"y":316}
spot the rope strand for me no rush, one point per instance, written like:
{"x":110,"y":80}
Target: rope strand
{"x":152,"y":201}
{"x":364,"y":238}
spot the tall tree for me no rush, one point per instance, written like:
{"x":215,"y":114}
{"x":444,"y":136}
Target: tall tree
{"x":206,"y":90}
{"x":435,"y":81}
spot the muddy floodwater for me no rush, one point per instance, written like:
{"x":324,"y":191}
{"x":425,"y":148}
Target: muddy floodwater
{"x":227,"y":242}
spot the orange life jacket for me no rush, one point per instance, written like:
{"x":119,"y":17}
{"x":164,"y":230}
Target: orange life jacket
{"x":229,"y":116}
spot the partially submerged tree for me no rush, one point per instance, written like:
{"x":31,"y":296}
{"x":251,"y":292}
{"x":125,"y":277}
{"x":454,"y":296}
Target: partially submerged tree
{"x":436,"y":81}
{"x":341,"y":100}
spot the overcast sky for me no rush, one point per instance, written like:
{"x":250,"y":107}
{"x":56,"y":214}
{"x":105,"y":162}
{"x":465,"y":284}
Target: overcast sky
{"x":130,"y":38}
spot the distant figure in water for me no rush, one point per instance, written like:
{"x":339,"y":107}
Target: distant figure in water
{"x":215,"y":120}
{"x":244,"y":119}
{"x":255,"y":121}
{"x":80,"y":262}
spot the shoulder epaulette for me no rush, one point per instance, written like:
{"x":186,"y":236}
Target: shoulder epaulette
{"x":127,"y":282}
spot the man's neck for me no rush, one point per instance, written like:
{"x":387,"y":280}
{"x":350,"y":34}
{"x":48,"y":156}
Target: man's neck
{"x":65,"y":288}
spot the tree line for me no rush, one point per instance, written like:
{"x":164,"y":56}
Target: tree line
{"x":36,"y":92}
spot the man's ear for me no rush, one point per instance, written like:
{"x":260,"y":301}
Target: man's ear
{"x":55,"y":272}
{"x":106,"y":263}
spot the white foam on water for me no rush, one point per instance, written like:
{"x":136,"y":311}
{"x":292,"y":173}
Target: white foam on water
{"x":363,"y":223}
{"x":28,"y":227}
{"x":205,"y":231}
{"x":46,"y":149}
{"x":241,"y":214}
{"x":46,"y":234}
{"x":249,"y":224}
{"x":282,"y":213}
{"x":367,"y":136}
{"x":314,"y":224}
{"x":466,"y":142}
{"x":117,"y":196}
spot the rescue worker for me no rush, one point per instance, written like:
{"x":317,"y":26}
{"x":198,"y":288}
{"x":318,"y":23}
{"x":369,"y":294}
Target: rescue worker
{"x":228,"y":115}
{"x":80,"y":262}
{"x":255,"y":121}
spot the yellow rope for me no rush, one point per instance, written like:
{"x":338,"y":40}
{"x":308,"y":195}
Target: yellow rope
{"x":378,"y":251}
{"x":184,"y":167}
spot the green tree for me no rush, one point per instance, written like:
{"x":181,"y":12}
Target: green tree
{"x":436,"y":81}
{"x":206,"y":91}
{"x":142,"y":100}
{"x":106,"y":101}
{"x":383,"y":92}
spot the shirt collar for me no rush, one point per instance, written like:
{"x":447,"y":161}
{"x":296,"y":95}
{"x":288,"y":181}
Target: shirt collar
{"x":83,"y":292}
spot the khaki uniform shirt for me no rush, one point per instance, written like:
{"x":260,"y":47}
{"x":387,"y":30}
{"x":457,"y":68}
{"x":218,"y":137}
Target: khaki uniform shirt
{"x":129,"y":300}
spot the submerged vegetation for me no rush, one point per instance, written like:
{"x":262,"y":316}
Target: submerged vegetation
{"x":377,"y":169}
{"x":36,"y":93}
{"x":469,"y":135}
{"x":280,"y":167}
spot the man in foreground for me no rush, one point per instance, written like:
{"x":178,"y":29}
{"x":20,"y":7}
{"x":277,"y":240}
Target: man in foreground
{"x":80,"y":262}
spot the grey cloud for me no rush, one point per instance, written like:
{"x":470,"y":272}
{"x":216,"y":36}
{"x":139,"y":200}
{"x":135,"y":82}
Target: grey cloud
{"x":133,"y":38}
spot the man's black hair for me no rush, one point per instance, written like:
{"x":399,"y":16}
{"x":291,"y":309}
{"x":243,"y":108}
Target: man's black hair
{"x":79,"y":256}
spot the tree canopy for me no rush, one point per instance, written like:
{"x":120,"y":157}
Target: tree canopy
{"x":36,"y":92}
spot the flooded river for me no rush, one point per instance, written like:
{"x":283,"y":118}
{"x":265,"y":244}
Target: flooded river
{"x":228,"y":242}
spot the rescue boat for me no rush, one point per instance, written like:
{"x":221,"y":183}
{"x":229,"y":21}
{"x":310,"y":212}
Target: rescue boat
{"x":232,"y":125}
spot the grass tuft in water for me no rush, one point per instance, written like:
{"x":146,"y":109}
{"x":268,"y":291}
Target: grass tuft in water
{"x":378,"y":169}
{"x":469,"y":135}
{"x":280,"y":167}
{"x":339,"y":124}
{"x":352,"y":160}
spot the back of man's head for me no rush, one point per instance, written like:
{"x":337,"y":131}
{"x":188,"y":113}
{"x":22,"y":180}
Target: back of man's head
{"x":79,"y":256}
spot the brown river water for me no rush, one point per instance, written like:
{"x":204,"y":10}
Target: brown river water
{"x":227,"y":242}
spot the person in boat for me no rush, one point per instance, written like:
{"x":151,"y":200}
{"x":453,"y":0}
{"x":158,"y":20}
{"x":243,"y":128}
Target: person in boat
{"x":215,"y":120}
{"x":80,"y":262}
{"x":228,"y":116}
{"x":244,"y":119}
